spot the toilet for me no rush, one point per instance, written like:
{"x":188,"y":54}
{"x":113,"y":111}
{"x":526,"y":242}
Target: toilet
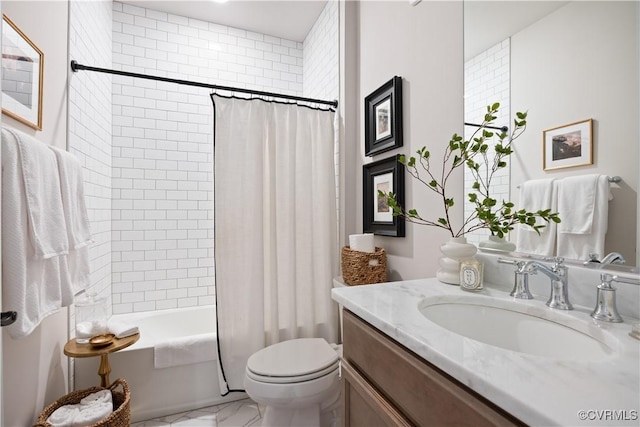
{"x":297,"y":381}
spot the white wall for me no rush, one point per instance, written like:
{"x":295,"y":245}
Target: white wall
{"x":424,"y":45}
{"x":35,"y":368}
{"x":320,"y":56}
{"x":90,"y":134}
{"x":578,"y":63}
{"x":162,"y":147}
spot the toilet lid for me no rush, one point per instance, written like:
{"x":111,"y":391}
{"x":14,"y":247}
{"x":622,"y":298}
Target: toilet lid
{"x":293,"y":358}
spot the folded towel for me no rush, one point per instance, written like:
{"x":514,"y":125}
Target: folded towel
{"x":102,"y":396}
{"x":537,"y":195}
{"x":33,"y":286}
{"x":586,"y":232}
{"x":185,"y":351}
{"x":91,"y":414}
{"x":64,"y":416}
{"x":121,"y":330}
{"x":76,"y":219}
{"x":39,"y":170}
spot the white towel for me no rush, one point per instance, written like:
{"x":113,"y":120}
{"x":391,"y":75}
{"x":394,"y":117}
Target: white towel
{"x":44,"y":200}
{"x":32,"y":286}
{"x":102,"y":396}
{"x":73,"y":200}
{"x":539,"y":194}
{"x":185,"y":351}
{"x":64,"y":416}
{"x":121,"y":330}
{"x":76,"y":219}
{"x":583,"y":203}
{"x":91,"y":414}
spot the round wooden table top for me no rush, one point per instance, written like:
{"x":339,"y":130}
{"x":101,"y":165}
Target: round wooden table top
{"x":73,"y":349}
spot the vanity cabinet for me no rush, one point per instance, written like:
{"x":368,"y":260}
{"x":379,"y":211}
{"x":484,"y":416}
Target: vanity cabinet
{"x":385,"y":384}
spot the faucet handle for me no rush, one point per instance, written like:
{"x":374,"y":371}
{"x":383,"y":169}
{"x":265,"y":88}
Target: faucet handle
{"x":508,"y":261}
{"x":606,"y":309}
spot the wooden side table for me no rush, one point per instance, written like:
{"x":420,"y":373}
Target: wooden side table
{"x":73,"y":349}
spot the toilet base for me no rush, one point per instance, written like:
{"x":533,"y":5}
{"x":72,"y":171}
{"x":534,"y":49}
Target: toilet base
{"x":308,"y":416}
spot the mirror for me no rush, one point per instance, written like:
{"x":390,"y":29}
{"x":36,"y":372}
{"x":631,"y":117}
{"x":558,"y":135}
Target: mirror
{"x":22,"y":76}
{"x":562,"y":62}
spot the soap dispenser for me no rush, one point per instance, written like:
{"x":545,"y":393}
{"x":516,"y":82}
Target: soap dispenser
{"x":606,"y":301}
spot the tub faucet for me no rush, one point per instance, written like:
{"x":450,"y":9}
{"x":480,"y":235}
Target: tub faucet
{"x":558,"y":273}
{"x":613,"y":258}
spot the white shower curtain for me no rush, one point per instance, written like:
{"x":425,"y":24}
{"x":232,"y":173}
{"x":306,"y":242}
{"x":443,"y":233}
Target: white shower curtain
{"x":276,"y":249}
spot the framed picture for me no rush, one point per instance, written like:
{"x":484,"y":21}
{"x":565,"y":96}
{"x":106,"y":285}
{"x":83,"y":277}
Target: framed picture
{"x":383,"y":118}
{"x":385,"y":175}
{"x":22,"y":76}
{"x":568,"y":145}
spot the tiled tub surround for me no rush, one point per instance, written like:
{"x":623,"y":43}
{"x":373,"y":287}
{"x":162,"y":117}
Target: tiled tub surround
{"x":537,"y":390}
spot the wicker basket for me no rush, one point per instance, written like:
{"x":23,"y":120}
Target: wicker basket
{"x":358,"y":270}
{"x":120,"y":417}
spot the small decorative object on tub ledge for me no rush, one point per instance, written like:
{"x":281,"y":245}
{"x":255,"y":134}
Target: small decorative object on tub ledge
{"x":362,"y":268}
{"x":499,"y":219}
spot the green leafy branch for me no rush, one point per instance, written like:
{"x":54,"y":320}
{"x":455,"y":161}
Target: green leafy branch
{"x":474,"y":153}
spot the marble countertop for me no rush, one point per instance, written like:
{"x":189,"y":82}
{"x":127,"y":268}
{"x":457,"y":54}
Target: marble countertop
{"x":540,"y":391}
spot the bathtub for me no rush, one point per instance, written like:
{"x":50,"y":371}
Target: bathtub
{"x":160,"y":392}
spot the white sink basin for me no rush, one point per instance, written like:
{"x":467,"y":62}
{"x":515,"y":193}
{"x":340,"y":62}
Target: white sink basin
{"x":522,"y":328}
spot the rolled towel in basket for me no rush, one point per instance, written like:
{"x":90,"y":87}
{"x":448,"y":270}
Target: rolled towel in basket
{"x":92,"y":413}
{"x":102,"y":396}
{"x":64,"y":416}
{"x":121,"y":330}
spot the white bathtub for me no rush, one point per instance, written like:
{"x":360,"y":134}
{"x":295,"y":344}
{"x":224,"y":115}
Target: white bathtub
{"x":160,"y":392}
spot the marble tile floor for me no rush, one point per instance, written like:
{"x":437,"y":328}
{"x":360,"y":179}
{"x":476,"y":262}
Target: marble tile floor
{"x":241,"y":413}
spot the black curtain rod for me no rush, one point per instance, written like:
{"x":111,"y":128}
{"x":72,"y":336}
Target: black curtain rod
{"x":502,"y":128}
{"x":75,"y":67}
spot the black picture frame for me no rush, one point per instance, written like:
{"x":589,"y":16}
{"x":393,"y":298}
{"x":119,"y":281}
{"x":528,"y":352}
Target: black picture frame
{"x":383,"y":118}
{"x":387,"y":175}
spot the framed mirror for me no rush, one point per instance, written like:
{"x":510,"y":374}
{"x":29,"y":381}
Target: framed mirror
{"x":22,"y":76}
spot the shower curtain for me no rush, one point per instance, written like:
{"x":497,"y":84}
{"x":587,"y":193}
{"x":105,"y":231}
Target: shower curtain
{"x":276,"y":249}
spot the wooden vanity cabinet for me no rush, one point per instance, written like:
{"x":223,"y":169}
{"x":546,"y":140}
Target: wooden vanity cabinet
{"x":385,"y":384}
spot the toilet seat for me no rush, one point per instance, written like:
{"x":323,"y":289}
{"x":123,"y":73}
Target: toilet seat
{"x":293,"y":361}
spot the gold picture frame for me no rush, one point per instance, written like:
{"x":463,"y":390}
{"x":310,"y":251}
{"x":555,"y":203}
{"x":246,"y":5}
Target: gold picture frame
{"x":568,"y":145}
{"x":22,"y":76}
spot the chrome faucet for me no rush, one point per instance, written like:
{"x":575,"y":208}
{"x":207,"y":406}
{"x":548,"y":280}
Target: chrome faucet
{"x":606,"y":298}
{"x":558,"y":273}
{"x":611,"y":258}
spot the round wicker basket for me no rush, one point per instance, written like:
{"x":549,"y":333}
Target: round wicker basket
{"x":362,"y":268}
{"x":120,"y":417}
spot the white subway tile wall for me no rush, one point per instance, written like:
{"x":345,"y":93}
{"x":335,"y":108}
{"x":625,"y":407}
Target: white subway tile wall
{"x":321,"y":55}
{"x":321,"y":68}
{"x":486,"y":80}
{"x":90,"y":128}
{"x":162,"y":213}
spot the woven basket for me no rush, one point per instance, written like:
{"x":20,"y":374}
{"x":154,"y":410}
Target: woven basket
{"x":357,"y":270}
{"x":120,"y":417}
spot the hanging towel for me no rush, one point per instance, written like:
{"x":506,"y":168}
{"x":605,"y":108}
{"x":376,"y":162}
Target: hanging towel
{"x":76,"y":219}
{"x":583,"y":207}
{"x":39,"y":171}
{"x":185,"y":351}
{"x":539,"y":194}
{"x":35,"y":282}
